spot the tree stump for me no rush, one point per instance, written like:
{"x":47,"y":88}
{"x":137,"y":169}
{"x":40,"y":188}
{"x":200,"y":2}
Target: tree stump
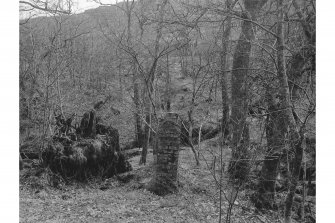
{"x":167,"y":152}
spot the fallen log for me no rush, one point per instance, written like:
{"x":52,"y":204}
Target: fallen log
{"x":130,"y":145}
{"x":133,"y":152}
{"x":211,"y":133}
{"x":207,"y":132}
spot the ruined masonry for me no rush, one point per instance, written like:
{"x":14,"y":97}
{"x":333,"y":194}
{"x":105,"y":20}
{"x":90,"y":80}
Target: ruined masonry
{"x":166,"y":166}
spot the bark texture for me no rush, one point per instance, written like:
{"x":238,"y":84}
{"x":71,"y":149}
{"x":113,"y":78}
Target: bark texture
{"x":238,"y":167}
{"x":290,"y":125}
{"x":226,"y":29}
{"x":275,"y":144}
{"x":286,"y":120}
{"x":138,"y":123}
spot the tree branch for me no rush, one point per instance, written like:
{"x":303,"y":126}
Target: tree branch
{"x":46,"y":8}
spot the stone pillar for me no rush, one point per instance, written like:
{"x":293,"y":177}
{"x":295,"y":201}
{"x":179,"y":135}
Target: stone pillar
{"x":167,"y":152}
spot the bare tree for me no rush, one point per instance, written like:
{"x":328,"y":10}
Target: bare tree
{"x":31,"y":8}
{"x":150,"y":78}
{"x":226,"y":32}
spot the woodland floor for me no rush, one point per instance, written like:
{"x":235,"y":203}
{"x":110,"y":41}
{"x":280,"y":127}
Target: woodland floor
{"x":114,"y":201}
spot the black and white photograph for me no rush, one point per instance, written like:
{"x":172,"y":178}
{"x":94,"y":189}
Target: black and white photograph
{"x":157,"y":111}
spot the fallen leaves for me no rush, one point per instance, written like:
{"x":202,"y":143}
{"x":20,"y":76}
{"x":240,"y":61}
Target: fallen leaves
{"x":196,"y":201}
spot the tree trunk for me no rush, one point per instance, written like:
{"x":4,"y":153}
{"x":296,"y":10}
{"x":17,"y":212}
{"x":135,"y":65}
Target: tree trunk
{"x":137,"y":117}
{"x":294,"y":72}
{"x":239,"y":164}
{"x":120,"y":76}
{"x":286,"y":121}
{"x":226,"y":30}
{"x":275,"y":142}
{"x":190,"y":134}
{"x":290,"y":125}
{"x":239,"y":96}
{"x":146,"y":137}
{"x":294,"y":179}
{"x":147,"y":99}
{"x":138,"y":123}
{"x":168,"y":86}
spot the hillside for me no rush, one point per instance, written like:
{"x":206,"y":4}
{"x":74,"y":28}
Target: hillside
{"x":101,"y":64}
